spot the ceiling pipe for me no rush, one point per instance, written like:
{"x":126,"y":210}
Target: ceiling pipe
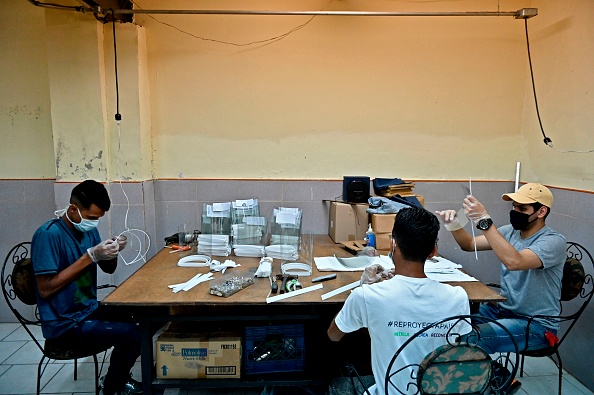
{"x":54,"y":6}
{"x":523,"y":13}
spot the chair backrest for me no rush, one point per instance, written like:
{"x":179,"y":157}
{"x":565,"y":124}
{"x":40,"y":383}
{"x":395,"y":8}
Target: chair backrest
{"x":577,"y":285}
{"x":18,"y":280}
{"x":459,"y":366}
{"x":18,"y":287}
{"x":455,"y":369}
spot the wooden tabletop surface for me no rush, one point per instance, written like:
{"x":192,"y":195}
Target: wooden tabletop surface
{"x":148,"y":286}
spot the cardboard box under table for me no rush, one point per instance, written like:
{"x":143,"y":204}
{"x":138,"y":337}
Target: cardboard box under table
{"x":182,"y":354}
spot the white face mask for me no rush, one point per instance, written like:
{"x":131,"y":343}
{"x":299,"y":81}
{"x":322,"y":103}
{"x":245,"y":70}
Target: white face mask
{"x":84,"y":225}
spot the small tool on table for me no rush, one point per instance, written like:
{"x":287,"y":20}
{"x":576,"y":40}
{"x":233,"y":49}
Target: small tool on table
{"x":178,"y":248}
{"x":293,"y":285}
{"x":284,"y":278}
{"x":323,"y":278}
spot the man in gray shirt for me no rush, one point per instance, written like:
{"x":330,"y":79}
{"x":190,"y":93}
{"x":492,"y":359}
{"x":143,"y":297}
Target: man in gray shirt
{"x":532,"y":257}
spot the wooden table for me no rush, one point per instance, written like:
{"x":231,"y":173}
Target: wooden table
{"x":146,"y":296}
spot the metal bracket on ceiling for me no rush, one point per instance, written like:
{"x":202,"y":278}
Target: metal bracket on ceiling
{"x":526,"y":13}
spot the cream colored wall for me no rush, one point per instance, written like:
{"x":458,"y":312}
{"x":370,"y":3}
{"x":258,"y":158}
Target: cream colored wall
{"x":25,"y":120}
{"x":57,"y":111}
{"x":562,"y":46}
{"x":418,"y":98}
{"x":130,"y":143}
{"x":77,"y":91}
{"x":408,"y":97}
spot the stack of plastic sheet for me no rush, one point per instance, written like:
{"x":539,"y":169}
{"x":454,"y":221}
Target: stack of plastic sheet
{"x":285,"y":233}
{"x":241,"y":209}
{"x":249,"y":250}
{"x":284,"y":239}
{"x":285,"y":252}
{"x":248,"y":228}
{"x":216,"y":218}
{"x":214,"y":244}
{"x":285,"y":225}
{"x":251,"y":231}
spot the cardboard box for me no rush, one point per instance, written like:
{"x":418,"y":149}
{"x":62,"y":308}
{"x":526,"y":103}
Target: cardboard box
{"x":382,"y":223}
{"x":348,"y":221}
{"x":185,"y":355}
{"x":382,"y":241}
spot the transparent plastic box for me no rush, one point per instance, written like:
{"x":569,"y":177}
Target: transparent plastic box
{"x":216,"y":218}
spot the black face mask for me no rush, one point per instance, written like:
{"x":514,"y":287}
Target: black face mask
{"x":520,"y":221}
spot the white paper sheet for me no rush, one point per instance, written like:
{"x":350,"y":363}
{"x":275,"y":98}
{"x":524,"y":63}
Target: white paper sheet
{"x":444,"y":270}
{"x":437,"y":268}
{"x":447,"y":276}
{"x":438,"y":263}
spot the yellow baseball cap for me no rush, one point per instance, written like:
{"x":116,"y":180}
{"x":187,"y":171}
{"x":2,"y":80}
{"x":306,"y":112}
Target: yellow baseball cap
{"x":531,"y":193}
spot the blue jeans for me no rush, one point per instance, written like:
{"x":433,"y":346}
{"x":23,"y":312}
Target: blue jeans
{"x":495,"y":339}
{"x":124,"y":337}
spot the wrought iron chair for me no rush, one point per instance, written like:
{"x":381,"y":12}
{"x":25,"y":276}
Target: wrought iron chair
{"x":577,"y":289}
{"x":19,"y":289}
{"x":459,"y":366}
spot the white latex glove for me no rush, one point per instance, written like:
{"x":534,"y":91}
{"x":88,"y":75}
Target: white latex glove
{"x":474,"y":209}
{"x":368,"y":251}
{"x":373,"y":274}
{"x":452,"y":220}
{"x":122,"y":241}
{"x":104,"y":251}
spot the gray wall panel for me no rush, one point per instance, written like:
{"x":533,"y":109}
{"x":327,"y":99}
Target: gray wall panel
{"x":159,"y":206}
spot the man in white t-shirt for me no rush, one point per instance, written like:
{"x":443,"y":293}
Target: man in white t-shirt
{"x":396,"y":308}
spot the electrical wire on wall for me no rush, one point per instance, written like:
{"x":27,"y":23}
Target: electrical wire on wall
{"x":546,"y":139}
{"x":139,"y":237}
{"x":264,"y":41}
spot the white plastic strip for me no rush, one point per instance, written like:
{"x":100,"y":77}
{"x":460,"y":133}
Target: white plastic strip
{"x":294,"y":293}
{"x":182,"y":284}
{"x":191,"y":284}
{"x":472,"y":227}
{"x":178,"y":287}
{"x":517,"y":177}
{"x":341,"y":290}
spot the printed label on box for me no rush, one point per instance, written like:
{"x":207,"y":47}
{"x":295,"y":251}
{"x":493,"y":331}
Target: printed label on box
{"x":221,"y":370}
{"x":182,"y":355}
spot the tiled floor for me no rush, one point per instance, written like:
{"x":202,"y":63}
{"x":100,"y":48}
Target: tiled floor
{"x":19,"y":358}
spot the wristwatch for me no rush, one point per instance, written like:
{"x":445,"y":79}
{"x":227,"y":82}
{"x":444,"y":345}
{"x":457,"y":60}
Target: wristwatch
{"x":484,"y":224}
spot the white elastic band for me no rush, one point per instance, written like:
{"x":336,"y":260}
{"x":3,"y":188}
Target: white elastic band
{"x":140,"y":251}
{"x":194,"y":261}
{"x":296,"y":269}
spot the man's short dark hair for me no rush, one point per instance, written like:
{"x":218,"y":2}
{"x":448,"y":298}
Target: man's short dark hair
{"x":415,"y":232}
{"x":90,"y":192}
{"x":537,"y":206}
